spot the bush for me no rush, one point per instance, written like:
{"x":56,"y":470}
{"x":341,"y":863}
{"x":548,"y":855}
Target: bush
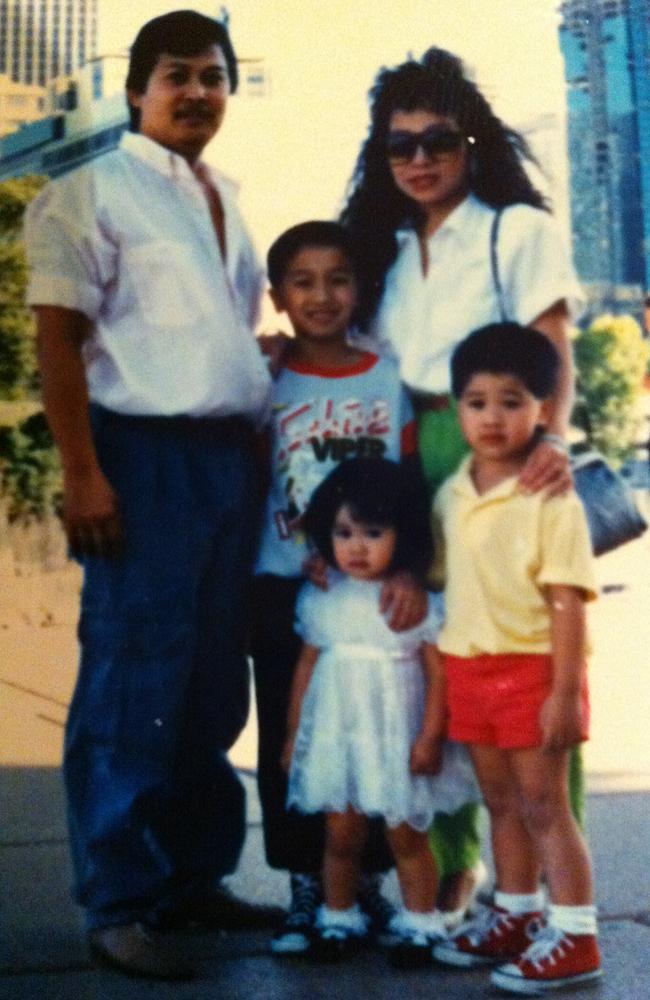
{"x":611,"y":358}
{"x":31,"y":476}
{"x":18,"y":377}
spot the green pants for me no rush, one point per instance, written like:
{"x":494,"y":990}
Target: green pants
{"x":455,"y":839}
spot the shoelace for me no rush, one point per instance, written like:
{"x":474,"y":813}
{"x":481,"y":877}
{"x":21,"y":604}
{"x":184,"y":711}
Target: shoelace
{"x":305,"y":898}
{"x":549,"y":944}
{"x":483,"y":924}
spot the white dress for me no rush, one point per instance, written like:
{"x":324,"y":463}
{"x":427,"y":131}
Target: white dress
{"x":363,"y":710}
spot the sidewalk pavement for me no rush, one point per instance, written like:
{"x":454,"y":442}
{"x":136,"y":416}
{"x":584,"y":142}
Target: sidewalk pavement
{"x":43,"y":954}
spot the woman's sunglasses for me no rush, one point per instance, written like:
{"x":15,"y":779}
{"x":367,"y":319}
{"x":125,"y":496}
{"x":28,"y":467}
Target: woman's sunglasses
{"x":402,"y":146}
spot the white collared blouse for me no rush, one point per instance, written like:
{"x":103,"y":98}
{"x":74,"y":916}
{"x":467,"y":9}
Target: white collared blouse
{"x":421,"y":318}
{"x":128,"y":240}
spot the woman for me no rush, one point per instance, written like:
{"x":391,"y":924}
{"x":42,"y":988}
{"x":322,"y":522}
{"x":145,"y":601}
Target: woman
{"x":438,"y":187}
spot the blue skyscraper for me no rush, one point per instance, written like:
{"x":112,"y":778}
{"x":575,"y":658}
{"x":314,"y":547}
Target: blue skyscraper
{"x":606,"y":48}
{"x":41,"y":40}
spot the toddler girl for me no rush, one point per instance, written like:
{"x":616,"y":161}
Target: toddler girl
{"x":367,"y":713}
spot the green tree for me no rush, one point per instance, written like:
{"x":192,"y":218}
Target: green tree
{"x":611,"y":358}
{"x":30,"y":468}
{"x":17,"y":354}
{"x":30,"y":477}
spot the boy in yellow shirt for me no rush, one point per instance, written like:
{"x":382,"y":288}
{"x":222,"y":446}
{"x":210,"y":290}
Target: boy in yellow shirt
{"x":518,"y":573}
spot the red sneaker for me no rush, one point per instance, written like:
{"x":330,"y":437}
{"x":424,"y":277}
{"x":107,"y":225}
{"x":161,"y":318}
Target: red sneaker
{"x":555,"y":959}
{"x":493,"y":936}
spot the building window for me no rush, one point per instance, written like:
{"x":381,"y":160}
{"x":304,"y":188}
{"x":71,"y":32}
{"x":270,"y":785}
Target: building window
{"x":4,"y":26}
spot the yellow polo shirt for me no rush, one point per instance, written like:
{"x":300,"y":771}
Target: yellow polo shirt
{"x":500,"y":550}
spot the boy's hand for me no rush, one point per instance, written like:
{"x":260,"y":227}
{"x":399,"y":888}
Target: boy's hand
{"x":403,"y":601}
{"x":426,"y":755}
{"x":315,"y":569}
{"x":560,"y":720}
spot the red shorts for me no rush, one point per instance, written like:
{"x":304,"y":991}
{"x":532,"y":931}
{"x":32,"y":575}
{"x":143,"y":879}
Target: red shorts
{"x":495,"y":699}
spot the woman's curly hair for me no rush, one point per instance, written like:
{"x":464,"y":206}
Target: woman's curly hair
{"x":376,"y":208}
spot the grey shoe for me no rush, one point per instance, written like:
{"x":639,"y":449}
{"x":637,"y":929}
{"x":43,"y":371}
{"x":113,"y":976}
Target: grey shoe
{"x":137,"y":952}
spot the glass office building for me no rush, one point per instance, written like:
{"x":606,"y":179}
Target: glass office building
{"x":606,"y":49}
{"x":41,"y":40}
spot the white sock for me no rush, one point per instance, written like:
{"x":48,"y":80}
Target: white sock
{"x":573,"y":919}
{"x":352,"y":919}
{"x":413,"y":922}
{"x":519,"y":903}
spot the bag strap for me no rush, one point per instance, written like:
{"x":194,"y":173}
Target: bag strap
{"x":591,"y":457}
{"x":494,"y":264}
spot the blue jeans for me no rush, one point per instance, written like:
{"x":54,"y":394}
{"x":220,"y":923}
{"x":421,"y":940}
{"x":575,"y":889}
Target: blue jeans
{"x":156,"y":812}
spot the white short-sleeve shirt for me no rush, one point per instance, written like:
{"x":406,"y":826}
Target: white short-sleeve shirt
{"x":421,"y":318}
{"x":129,"y":242}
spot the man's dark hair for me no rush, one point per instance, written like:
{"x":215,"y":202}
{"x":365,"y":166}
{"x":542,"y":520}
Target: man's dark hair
{"x":376,"y":491}
{"x":180,"y":33}
{"x":507,"y":349}
{"x":315,"y":233}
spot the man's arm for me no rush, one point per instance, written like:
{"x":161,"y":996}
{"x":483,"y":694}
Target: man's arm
{"x":91,"y":514}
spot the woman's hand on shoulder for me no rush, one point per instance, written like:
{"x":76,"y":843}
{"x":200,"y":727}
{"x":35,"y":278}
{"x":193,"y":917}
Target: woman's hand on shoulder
{"x":403,"y":601}
{"x":547,"y":470}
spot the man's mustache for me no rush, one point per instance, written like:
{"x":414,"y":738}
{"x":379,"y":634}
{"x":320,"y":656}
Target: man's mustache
{"x":198,"y":110}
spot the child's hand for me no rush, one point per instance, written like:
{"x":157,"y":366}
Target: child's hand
{"x":560,"y":720}
{"x":315,"y":568}
{"x":426,"y":755}
{"x":403,"y":601}
{"x":287,"y":753}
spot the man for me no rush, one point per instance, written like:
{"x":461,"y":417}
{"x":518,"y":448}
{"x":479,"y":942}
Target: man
{"x":145,"y":287}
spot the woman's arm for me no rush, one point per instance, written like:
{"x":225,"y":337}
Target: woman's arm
{"x":560,"y":717}
{"x":547,"y":467}
{"x":301,"y":678}
{"x":554,"y":322}
{"x":426,"y":752}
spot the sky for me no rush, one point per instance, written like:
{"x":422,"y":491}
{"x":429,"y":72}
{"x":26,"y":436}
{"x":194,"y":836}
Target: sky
{"x":293,"y":150}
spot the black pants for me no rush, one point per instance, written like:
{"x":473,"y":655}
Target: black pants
{"x":293,"y":841}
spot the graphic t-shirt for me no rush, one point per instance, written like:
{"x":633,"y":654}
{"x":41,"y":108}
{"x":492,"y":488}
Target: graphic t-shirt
{"x":319,"y":418}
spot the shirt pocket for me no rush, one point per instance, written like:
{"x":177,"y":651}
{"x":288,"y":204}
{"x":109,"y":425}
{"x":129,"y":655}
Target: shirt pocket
{"x":167,"y":285}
